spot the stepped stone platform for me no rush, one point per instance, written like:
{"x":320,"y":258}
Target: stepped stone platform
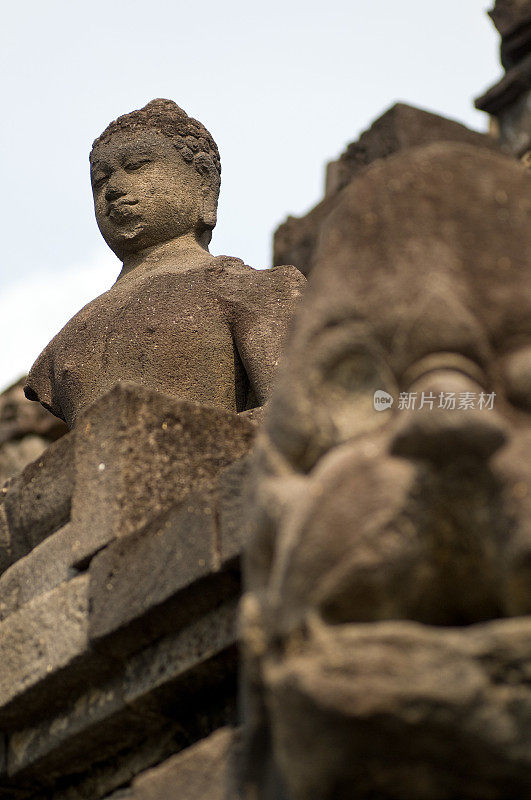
{"x":120,"y":551}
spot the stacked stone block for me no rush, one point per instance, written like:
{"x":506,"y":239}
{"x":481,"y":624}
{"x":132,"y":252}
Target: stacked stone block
{"x":118,"y":594}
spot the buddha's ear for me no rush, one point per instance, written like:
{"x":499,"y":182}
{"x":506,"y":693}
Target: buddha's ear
{"x":209,"y":189}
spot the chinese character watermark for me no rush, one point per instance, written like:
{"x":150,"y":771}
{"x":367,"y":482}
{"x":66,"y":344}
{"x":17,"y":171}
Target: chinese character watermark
{"x":449,"y":401}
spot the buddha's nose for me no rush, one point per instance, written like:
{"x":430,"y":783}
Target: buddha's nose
{"x":452,"y":419}
{"x":113,"y":192}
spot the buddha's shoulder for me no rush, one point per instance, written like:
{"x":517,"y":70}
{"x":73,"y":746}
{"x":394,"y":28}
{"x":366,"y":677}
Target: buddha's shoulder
{"x":233,"y":275}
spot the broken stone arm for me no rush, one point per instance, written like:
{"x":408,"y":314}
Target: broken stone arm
{"x":260,"y":325}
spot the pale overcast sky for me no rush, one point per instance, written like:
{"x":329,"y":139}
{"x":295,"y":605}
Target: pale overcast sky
{"x":283,"y":86}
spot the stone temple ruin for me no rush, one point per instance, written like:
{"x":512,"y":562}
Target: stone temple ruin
{"x":202,"y":598}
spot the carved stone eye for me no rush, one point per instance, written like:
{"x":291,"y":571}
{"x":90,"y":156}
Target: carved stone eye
{"x":131,"y":166}
{"x":352,"y":373}
{"x":350,"y":370}
{"x":99,"y":180}
{"x":517,"y":369}
{"x":332,"y":396}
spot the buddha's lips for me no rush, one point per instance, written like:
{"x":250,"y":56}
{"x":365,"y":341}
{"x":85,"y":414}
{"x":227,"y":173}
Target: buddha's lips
{"x":122,"y":211}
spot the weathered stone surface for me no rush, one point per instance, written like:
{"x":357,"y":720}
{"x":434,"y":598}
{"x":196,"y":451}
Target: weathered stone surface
{"x":47,"y":566}
{"x":232,"y":510}
{"x":171,"y":680}
{"x":198,"y":773}
{"x":119,"y":769}
{"x":177,"y":320}
{"x":146,"y":584}
{"x":421,"y":290}
{"x":512,"y":18}
{"x":39,"y":642}
{"x":99,"y":725}
{"x":510,"y":14}
{"x":508,"y":100}
{"x":26,"y":430}
{"x":18,"y":418}
{"x":5,"y":540}
{"x":15,"y":455}
{"x":400,"y":128}
{"x":452,"y":706}
{"x":160,"y":677}
{"x":139,"y":453}
{"x":37,"y":502}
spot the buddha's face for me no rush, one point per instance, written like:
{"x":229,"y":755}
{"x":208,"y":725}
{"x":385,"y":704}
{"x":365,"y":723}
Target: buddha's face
{"x":391,"y":547}
{"x":144,"y":191}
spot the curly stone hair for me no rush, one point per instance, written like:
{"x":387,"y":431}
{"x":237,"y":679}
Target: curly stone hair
{"x":190,"y":137}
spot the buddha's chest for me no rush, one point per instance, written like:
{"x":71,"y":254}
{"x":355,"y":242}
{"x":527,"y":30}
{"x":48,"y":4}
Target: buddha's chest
{"x":172,"y":336}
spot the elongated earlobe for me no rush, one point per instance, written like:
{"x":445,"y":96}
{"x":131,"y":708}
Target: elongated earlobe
{"x":209,"y":189}
{"x":210,"y":208}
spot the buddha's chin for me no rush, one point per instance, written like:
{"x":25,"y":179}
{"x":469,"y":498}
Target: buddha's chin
{"x":127,"y":239}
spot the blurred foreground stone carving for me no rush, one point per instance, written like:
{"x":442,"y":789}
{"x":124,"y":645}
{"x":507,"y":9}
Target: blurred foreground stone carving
{"x":388,"y":583}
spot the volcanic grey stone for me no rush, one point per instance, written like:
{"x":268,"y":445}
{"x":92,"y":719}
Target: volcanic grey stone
{"x":145,"y":584}
{"x":45,"y":567}
{"x":400,"y":128}
{"x":232,"y":510}
{"x":152,"y":688}
{"x":139,"y":453}
{"x":39,"y":643}
{"x":508,"y":15}
{"x":5,"y":539}
{"x":177,"y":320}
{"x":365,"y":520}
{"x":37,"y":502}
{"x":508,"y":100}
{"x":117,"y":770}
{"x":452,"y":706}
{"x":198,"y":773}
{"x":26,"y":430}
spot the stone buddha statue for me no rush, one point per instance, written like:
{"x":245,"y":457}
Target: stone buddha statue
{"x":177,"y":320}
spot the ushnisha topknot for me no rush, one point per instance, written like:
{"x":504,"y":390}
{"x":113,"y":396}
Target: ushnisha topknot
{"x":190,"y":137}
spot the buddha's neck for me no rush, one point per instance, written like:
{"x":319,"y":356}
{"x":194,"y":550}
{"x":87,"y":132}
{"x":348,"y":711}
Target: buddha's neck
{"x":182,"y":253}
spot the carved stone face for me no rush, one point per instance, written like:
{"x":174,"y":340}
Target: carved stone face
{"x":144,"y":191}
{"x":370,"y":522}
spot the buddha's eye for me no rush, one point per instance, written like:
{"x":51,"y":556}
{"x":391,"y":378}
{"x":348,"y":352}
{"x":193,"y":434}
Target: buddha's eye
{"x":131,"y":166}
{"x":99,"y":180}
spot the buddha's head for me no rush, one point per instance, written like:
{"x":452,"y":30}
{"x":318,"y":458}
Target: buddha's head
{"x":388,"y":538}
{"x":155,"y":176}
